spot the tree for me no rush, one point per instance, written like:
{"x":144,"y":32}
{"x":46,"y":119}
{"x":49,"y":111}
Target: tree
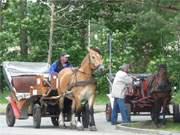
{"x":52,"y":8}
{"x":0,"y":14}
{"x":23,"y":29}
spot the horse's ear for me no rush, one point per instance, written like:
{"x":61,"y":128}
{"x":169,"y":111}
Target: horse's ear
{"x":89,"y":49}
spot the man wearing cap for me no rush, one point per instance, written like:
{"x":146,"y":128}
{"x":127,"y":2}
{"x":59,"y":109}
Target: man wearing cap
{"x":58,"y":65}
{"x":120,"y":84}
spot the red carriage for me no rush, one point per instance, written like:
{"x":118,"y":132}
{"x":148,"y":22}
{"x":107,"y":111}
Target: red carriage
{"x":33,"y":92}
{"x":138,"y":100}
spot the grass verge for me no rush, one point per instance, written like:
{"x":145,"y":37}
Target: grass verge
{"x":101,"y":99}
{"x":169,"y":126}
{"x":3,"y":97}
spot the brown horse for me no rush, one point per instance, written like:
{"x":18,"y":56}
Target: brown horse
{"x":80,"y":83}
{"x":159,"y":88}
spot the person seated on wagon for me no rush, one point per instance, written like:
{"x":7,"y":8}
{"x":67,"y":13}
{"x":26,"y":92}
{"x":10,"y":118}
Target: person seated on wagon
{"x":61,"y":63}
{"x":120,"y":84}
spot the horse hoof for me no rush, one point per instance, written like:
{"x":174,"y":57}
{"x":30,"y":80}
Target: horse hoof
{"x":93,"y":128}
{"x":62,"y":125}
{"x":158,"y":126}
{"x":72,"y":126}
{"x":79,"y":126}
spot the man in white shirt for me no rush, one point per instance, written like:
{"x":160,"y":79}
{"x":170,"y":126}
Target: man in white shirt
{"x":121,"y":81}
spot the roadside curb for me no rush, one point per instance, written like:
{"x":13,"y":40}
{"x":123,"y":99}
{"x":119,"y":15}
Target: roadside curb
{"x":146,"y":131}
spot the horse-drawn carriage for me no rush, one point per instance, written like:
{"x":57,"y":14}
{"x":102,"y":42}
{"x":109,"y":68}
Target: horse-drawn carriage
{"x":141,"y":99}
{"x":33,"y":93}
{"x":138,"y":99}
{"x":65,"y":96}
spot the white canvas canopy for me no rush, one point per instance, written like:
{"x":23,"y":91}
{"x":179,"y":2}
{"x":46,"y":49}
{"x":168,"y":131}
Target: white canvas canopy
{"x":16,"y":68}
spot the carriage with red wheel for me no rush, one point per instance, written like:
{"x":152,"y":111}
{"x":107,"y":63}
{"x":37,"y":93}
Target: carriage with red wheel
{"x":33,"y":92}
{"x":150,"y":94}
{"x":138,"y":99}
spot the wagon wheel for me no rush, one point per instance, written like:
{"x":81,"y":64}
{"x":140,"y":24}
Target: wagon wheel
{"x":108,"y":112}
{"x":37,"y":116}
{"x":85,"y":116}
{"x":55,"y":121}
{"x":152,"y":115}
{"x":10,"y":118}
{"x":129,"y":110}
{"x":176,"y":113}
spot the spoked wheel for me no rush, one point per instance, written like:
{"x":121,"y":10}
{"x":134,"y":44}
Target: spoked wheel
{"x":55,"y":121}
{"x":37,"y":116}
{"x":85,"y":116}
{"x":176,"y":113}
{"x":108,"y":112}
{"x":10,"y":118}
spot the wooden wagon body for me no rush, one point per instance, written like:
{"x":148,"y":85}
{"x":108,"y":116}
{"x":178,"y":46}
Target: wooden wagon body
{"x":33,"y":92}
{"x":138,"y":100}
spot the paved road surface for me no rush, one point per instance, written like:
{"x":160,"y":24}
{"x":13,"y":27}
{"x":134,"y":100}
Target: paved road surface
{"x":24,"y":127}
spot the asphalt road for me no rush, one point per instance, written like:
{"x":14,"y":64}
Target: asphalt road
{"x":24,"y":127}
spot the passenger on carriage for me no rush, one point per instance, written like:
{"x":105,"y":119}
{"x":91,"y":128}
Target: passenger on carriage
{"x":121,"y":81}
{"x":62,"y":62}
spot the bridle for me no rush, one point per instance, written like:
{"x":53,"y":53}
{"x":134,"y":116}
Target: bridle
{"x":90,"y":63}
{"x":155,"y":81}
{"x":81,"y":83}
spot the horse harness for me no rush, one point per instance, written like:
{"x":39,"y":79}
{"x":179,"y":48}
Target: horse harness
{"x":79,"y":83}
{"x":158,"y":87}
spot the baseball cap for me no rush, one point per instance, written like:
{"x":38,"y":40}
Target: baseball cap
{"x":124,"y":66}
{"x":64,"y":54}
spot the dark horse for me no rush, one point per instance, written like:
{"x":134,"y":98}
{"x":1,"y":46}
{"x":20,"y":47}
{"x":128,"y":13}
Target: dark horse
{"x":160,"y":90}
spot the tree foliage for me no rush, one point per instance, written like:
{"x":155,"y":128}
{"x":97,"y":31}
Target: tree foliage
{"x":145,"y":33}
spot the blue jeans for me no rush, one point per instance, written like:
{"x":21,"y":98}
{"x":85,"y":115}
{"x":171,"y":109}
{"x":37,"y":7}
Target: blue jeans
{"x":119,"y":103}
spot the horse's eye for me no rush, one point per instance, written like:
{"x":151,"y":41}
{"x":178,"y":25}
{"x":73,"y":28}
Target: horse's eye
{"x":93,"y":57}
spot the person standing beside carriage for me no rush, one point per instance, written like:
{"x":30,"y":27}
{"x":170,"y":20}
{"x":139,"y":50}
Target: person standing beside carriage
{"x":60,"y":64}
{"x":121,"y":81}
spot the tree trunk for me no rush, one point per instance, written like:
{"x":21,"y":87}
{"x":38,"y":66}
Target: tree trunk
{"x":23,"y":31}
{"x":84,"y":35}
{"x":1,"y":80}
{"x":1,"y":18}
{"x":52,"y":7}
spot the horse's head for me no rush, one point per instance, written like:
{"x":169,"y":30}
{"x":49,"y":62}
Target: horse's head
{"x":95,"y":59}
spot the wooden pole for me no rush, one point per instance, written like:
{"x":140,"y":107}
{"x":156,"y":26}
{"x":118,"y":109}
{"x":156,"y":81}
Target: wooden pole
{"x":52,"y":8}
{"x":89,"y":33}
{"x":110,"y":53}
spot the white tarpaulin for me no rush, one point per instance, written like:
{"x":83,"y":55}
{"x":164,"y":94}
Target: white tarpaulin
{"x":15,"y":68}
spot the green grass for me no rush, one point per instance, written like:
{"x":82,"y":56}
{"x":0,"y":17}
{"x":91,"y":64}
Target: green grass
{"x":101,"y":99}
{"x":169,"y":126}
{"x":3,"y":97}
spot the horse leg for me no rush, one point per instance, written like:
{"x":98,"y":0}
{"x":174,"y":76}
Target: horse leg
{"x":156,"y":111}
{"x":79,"y":125}
{"x":61,"y":116}
{"x":164,"y":111}
{"x":73,"y":119}
{"x":91,"y":113}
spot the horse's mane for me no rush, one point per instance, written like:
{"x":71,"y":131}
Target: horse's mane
{"x":96,"y":50}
